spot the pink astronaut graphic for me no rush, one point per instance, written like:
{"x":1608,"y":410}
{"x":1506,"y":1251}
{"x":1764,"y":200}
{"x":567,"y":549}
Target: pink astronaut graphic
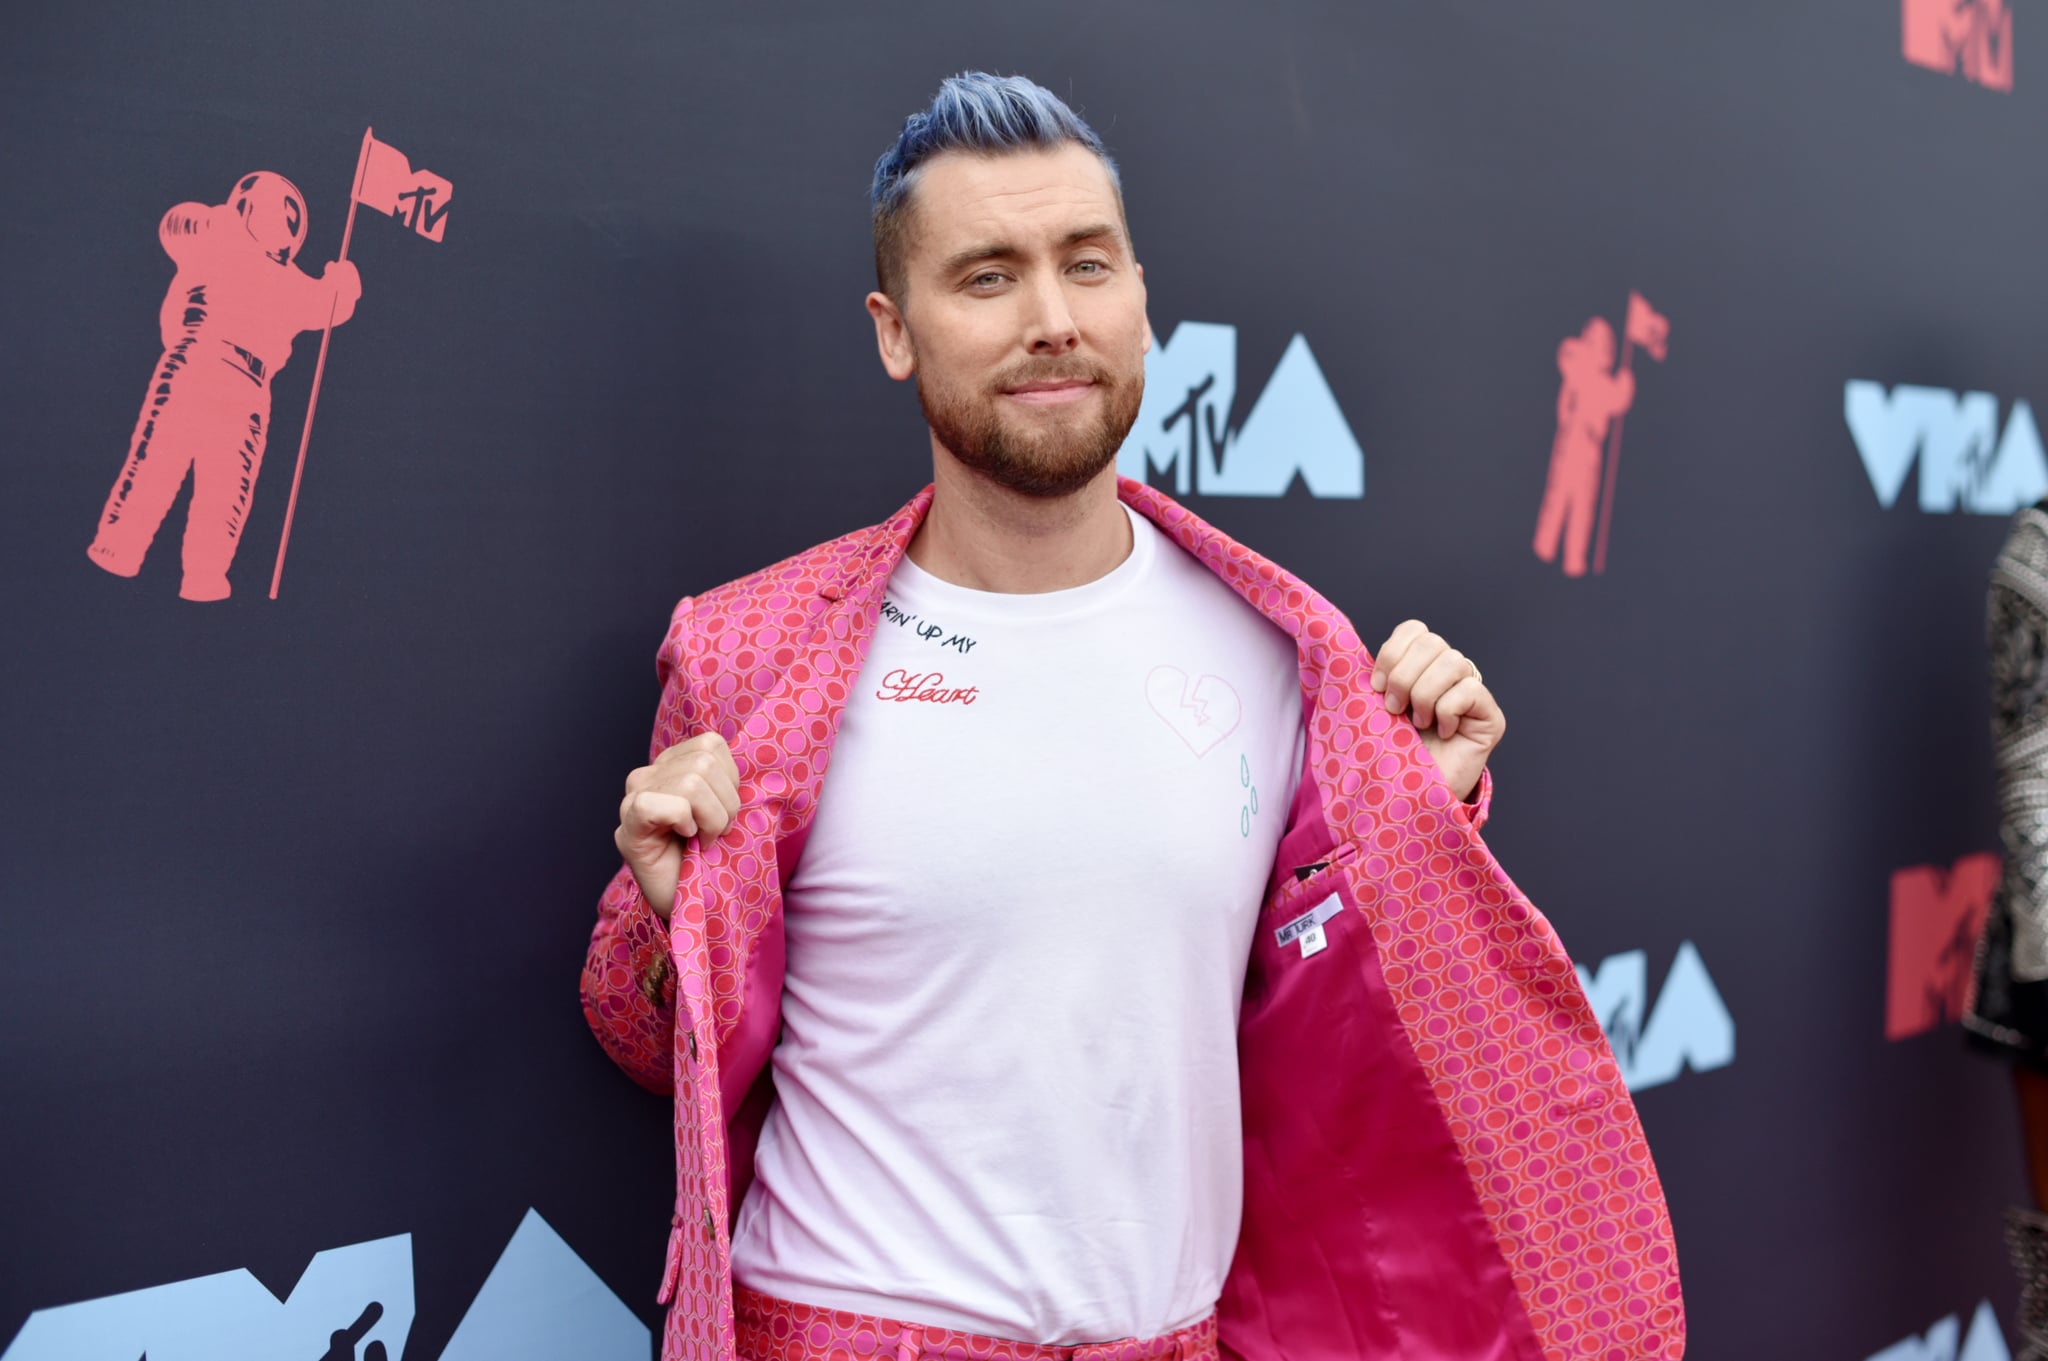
{"x":1591,"y":401}
{"x":238,"y":298}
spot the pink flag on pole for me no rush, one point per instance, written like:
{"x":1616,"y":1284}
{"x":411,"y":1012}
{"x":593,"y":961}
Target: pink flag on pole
{"x":418,"y":198}
{"x":385,"y":181}
{"x":1647,"y":327}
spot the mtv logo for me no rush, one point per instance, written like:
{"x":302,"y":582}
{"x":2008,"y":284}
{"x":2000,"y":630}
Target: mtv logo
{"x":1984,"y":1343}
{"x":1937,"y":915}
{"x":1689,"y":1024}
{"x":1975,"y":35}
{"x":539,"y":1303}
{"x":230,"y":1316}
{"x":1294,"y":429}
{"x":1964,"y":462}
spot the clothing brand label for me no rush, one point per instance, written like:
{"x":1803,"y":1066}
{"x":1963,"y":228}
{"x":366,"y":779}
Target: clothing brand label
{"x":1311,"y":920}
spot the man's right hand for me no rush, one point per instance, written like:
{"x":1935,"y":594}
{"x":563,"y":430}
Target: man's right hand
{"x":346,"y":280}
{"x":692,"y":789}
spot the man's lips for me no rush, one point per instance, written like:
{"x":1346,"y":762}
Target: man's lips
{"x":1051,"y":393}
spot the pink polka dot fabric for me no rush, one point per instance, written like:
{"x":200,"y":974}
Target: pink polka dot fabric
{"x":1515,"y":1079}
{"x":772,"y":1329}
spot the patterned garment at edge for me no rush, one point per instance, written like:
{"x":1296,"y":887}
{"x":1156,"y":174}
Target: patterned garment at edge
{"x":2009,"y":1003}
{"x":775,"y":1329}
{"x":1441,"y":1159}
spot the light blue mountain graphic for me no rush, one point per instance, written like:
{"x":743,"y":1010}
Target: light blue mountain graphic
{"x":539,"y":1303}
{"x":232,"y":1315}
{"x":1940,"y":1343}
{"x":1295,"y":427}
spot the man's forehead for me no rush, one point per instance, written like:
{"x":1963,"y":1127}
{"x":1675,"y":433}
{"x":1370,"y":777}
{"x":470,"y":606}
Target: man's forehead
{"x":1024,"y":196}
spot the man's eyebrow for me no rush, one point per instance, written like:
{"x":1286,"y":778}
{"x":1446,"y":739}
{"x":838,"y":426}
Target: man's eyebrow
{"x":1093,"y":233}
{"x":1003,"y":250}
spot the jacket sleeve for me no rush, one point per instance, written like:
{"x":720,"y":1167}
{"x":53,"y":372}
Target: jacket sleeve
{"x":629,"y":983}
{"x":1480,"y":808}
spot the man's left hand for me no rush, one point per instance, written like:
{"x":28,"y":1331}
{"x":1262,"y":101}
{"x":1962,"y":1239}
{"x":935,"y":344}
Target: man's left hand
{"x":1440,"y":689}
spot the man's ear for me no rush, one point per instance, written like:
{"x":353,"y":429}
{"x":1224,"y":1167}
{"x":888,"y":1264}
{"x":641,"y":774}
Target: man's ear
{"x":1148,"y":315}
{"x":892,"y":337}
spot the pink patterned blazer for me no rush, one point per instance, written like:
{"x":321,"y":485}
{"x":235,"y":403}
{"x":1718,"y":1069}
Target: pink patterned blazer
{"x":1441,"y":1160}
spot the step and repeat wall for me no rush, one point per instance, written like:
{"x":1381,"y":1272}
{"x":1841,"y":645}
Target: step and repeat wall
{"x":377,"y":377}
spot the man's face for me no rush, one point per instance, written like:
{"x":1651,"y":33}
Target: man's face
{"x":1023,"y":316}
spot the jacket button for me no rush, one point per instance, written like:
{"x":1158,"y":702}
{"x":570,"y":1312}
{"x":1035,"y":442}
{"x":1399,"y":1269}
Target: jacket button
{"x":692,"y":1041}
{"x":709,"y":1231}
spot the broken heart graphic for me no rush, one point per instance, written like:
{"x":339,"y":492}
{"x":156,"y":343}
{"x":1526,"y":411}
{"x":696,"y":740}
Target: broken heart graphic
{"x":1201,"y":712}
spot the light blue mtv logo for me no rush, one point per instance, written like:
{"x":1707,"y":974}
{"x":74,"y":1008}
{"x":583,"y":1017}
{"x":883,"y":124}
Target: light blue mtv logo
{"x":540,"y":1303}
{"x":1294,"y":429}
{"x":1982,"y":1343}
{"x":1689,"y":1026}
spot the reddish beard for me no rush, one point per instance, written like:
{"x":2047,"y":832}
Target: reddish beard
{"x":1054,"y":461}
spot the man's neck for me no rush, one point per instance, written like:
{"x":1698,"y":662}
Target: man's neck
{"x":988,"y":538}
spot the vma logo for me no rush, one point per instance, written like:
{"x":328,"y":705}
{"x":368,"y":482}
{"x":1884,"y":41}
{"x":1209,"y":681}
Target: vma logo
{"x":540,"y":1302}
{"x":1965,"y":463}
{"x":1974,"y":36}
{"x":1295,"y":429}
{"x":1984,"y":1341}
{"x":1937,"y":915}
{"x":1689,"y":1024}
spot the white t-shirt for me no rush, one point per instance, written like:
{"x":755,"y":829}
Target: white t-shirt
{"x":1007,"y":1086}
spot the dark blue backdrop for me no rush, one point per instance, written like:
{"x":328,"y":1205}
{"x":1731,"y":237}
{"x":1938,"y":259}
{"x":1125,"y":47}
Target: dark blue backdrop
{"x":293,"y":894}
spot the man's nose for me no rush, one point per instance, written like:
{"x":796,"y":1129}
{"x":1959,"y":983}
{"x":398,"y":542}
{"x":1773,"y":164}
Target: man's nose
{"x":1050,"y":325}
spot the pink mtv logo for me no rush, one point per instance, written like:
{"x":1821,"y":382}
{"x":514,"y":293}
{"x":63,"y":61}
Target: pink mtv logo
{"x":1974,"y":35}
{"x":1937,"y":915}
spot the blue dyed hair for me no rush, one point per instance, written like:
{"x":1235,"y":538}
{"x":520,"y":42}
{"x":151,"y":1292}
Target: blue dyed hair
{"x":976,"y":112}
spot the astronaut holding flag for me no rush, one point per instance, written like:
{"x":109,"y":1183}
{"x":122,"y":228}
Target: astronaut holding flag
{"x":1591,"y":401}
{"x":235,"y":304}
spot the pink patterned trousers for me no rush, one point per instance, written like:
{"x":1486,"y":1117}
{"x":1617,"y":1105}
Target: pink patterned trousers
{"x":772,"y":1329}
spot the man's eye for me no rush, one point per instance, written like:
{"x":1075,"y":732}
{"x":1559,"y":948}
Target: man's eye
{"x":1092,"y":266}
{"x":983,"y":280}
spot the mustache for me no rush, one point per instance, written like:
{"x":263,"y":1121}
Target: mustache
{"x":1061,"y":371}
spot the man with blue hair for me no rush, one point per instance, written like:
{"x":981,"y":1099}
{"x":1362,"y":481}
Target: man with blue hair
{"x":1137,"y":984}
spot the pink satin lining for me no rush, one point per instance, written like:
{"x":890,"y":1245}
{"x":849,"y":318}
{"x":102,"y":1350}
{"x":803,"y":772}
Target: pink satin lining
{"x":1356,"y":1197}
